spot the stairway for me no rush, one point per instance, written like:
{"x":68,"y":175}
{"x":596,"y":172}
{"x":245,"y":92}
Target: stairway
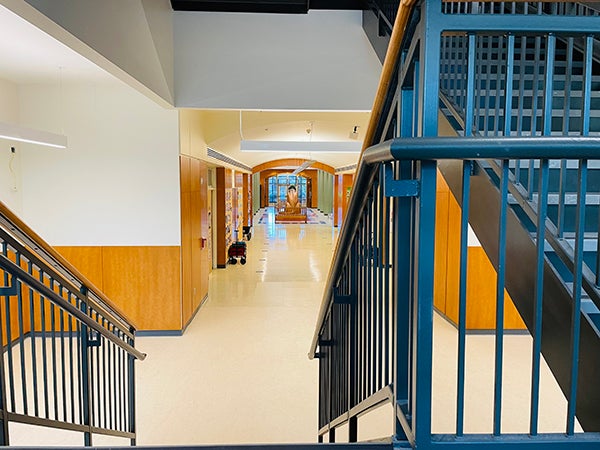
{"x":535,"y":62}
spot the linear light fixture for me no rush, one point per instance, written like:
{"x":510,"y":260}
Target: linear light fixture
{"x":301,"y":146}
{"x":14,"y":132}
{"x":305,"y":165}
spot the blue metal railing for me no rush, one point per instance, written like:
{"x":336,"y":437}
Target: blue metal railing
{"x":69,"y":355}
{"x":375,"y":342}
{"x":522,"y":94}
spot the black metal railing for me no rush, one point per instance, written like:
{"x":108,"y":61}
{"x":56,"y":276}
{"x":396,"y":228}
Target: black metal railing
{"x":69,"y":354}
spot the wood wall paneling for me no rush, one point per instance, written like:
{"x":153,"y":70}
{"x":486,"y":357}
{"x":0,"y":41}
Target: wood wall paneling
{"x":205,"y":250}
{"x":347,"y":182}
{"x":186,"y":255}
{"x":441,"y":252}
{"x":481,"y":275}
{"x":196,"y":241}
{"x":247,"y":192}
{"x":220,"y":212}
{"x":88,"y":260}
{"x":194,"y":227}
{"x":337,"y":200}
{"x":146,"y":283}
{"x":452,"y":259}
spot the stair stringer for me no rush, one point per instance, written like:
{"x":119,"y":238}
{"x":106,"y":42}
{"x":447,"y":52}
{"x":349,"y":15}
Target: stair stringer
{"x":520,"y":281}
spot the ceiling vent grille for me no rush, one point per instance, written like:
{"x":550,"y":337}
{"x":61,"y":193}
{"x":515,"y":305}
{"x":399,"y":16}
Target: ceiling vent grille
{"x":226,"y":159}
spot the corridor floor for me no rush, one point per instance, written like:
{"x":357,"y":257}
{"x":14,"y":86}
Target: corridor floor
{"x":240,"y":373}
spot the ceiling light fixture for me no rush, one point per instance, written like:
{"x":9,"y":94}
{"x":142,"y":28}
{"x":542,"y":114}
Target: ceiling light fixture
{"x":19,"y":133}
{"x":301,"y":146}
{"x":305,"y":165}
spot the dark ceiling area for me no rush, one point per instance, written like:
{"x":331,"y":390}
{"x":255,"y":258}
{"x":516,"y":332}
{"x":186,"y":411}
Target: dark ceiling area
{"x":265,"y":6}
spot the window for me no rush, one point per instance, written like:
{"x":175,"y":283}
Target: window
{"x":279,"y":184}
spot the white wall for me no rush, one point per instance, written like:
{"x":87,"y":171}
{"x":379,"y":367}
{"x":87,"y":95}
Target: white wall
{"x":118,"y":181}
{"x":321,"y":60}
{"x":10,"y":177}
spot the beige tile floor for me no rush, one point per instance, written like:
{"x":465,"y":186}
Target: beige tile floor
{"x":240,"y":374}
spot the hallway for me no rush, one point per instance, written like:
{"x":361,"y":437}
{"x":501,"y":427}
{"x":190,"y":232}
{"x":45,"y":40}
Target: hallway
{"x":240,"y":373}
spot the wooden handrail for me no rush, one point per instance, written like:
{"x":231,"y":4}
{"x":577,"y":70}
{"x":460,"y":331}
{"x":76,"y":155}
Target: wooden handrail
{"x":49,"y":250}
{"x":387,"y":71}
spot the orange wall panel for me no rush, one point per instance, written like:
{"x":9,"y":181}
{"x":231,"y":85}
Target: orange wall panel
{"x":441,"y":252}
{"x":481,"y":275}
{"x":186,"y":255}
{"x":87,"y":259}
{"x":146,"y":283}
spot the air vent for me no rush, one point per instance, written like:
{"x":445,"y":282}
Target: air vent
{"x":226,"y":159}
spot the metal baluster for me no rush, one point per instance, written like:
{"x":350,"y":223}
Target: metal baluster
{"x":499,"y":347}
{"x":44,"y":348}
{"x":522,"y":79}
{"x":99,"y":392}
{"x":131,"y":393}
{"x":462,"y":297}
{"x":369,"y":299}
{"x":361,"y":312}
{"x":508,"y":88}
{"x":21,"y":338}
{"x":387,"y":268}
{"x":80,"y":387}
{"x":53,"y":348}
{"x":124,"y":386}
{"x":548,"y":89}
{"x":9,"y":336}
{"x":32,"y":315}
{"x":4,"y":431}
{"x":471,"y":94}
{"x":379,"y":264}
{"x":83,"y":346}
{"x":587,"y":85}
{"x":62,"y":357}
{"x":105,"y":380}
{"x":71,"y":367}
{"x":499,"y":85}
{"x":542,"y":213}
{"x":577,"y":287}
{"x":486,"y":104}
{"x":115,"y":390}
{"x":108,"y":374}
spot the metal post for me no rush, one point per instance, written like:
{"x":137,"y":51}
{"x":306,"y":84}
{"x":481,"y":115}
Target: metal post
{"x":4,"y":438}
{"x":131,"y":391}
{"x":402,"y":285}
{"x":86,"y":404}
{"x":423,"y":299}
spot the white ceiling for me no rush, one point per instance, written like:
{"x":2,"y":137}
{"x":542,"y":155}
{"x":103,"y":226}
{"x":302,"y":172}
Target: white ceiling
{"x":30,"y":56}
